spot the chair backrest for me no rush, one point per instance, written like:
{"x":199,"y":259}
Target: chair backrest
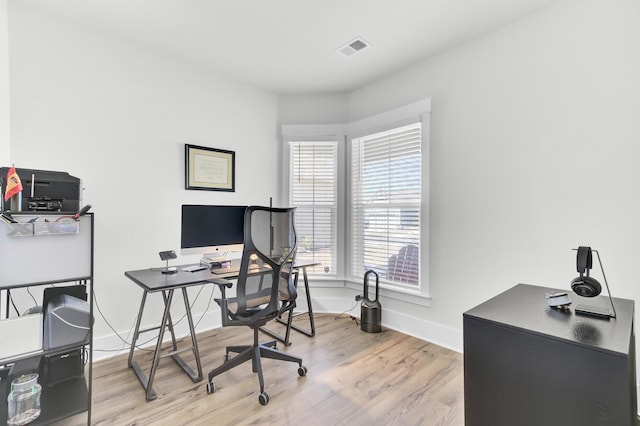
{"x":265,"y":286}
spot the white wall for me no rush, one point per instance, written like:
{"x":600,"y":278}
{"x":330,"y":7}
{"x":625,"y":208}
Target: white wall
{"x":5,"y":115}
{"x":534,"y":146}
{"x":117,"y":116}
{"x":327,"y":108}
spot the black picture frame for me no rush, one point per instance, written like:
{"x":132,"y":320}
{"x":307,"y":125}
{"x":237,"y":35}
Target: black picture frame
{"x":209,"y":169}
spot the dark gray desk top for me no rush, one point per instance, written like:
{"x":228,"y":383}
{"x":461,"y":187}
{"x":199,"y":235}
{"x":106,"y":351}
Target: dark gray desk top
{"x":525,"y":307}
{"x":152,"y":279}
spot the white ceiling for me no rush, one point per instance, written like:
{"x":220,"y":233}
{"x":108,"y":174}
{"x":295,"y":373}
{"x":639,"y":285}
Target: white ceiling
{"x":289,"y":46}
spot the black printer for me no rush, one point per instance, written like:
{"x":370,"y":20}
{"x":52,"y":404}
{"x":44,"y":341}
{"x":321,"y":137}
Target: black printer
{"x":46,"y":190}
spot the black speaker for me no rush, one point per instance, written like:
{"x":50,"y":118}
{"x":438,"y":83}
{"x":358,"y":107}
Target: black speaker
{"x":584,"y":285}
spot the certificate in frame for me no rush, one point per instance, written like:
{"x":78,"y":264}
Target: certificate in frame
{"x":209,"y":169}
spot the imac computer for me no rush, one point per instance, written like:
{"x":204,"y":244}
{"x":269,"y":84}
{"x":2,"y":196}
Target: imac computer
{"x":213,"y":231}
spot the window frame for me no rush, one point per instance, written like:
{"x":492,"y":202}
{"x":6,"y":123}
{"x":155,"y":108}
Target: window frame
{"x":319,"y":133}
{"x":317,"y":207}
{"x":376,"y":144}
{"x":412,"y":113}
{"x":343,"y":133}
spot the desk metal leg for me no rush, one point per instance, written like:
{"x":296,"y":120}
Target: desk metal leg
{"x":194,"y":344}
{"x":169,"y":320}
{"x":142,"y":378}
{"x":136,"y":331}
{"x":309,"y":311}
{"x":289,"y":322}
{"x":156,"y":354}
{"x":272,"y":333}
{"x":147,"y":383}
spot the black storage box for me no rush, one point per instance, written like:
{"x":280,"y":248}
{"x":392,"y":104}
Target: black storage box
{"x":61,"y":367}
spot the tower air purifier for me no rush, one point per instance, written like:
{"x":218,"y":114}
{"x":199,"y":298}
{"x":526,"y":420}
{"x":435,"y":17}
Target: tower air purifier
{"x":370,"y":310}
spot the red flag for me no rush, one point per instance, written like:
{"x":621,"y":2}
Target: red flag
{"x":14,"y":185}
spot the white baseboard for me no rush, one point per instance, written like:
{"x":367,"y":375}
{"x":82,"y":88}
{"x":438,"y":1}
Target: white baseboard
{"x":417,"y":327}
{"x":426,"y":330}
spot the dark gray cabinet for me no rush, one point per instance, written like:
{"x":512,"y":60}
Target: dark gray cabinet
{"x":528,"y":364}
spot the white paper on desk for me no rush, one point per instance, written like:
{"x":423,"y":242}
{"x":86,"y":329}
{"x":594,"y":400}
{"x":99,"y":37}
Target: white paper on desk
{"x":20,"y":335}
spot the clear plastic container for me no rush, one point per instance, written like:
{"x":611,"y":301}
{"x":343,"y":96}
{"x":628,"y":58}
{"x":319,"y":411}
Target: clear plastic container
{"x":23,"y":402}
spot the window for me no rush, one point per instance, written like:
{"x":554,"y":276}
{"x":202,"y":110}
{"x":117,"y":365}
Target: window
{"x":386,"y":175}
{"x":313,"y":168}
{"x":362,"y":198}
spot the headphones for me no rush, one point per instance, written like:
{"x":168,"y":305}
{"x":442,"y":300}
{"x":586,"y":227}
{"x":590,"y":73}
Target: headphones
{"x":584,"y":285}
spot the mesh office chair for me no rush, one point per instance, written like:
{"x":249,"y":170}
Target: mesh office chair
{"x":264,"y":290}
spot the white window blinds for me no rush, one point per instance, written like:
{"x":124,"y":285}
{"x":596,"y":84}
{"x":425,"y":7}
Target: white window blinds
{"x":386,"y":196}
{"x":313,"y":190}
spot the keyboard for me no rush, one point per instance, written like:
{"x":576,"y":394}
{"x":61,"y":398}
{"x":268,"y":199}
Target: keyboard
{"x":224,"y":271}
{"x":194,"y":268}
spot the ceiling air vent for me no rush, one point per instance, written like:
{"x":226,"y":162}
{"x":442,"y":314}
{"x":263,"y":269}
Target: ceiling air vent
{"x":353,"y":47}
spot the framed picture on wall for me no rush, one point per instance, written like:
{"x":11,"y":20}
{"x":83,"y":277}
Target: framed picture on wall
{"x":209,"y":169}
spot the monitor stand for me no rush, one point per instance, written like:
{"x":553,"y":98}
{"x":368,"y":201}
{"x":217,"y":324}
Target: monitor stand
{"x":215,"y":261}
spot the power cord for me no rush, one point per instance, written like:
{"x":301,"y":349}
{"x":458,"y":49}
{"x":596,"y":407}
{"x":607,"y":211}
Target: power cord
{"x":341,"y":314}
{"x":13,"y":304}
{"x":35,"y":302}
{"x":15,"y":308}
{"x":139,"y":346}
{"x":124,"y":341}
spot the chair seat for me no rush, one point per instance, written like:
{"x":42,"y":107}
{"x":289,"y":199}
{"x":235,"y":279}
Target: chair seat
{"x":254,"y":301}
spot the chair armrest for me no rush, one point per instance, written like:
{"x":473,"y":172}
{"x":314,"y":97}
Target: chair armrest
{"x":220,"y":282}
{"x":224,"y":303}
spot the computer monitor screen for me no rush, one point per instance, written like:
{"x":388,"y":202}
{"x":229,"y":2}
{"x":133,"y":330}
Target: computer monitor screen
{"x":211,"y":230}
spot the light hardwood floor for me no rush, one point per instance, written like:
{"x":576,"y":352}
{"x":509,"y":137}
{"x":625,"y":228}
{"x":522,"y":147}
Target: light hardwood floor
{"x":354,"y":378}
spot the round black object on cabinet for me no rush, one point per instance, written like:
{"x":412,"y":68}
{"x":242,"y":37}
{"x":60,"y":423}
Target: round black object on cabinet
{"x":584,"y":285}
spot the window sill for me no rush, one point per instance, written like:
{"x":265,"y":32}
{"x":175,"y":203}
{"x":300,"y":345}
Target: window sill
{"x":398,"y":294}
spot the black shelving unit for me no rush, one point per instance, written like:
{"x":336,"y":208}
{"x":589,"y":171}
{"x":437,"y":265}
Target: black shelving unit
{"x":63,"y":251}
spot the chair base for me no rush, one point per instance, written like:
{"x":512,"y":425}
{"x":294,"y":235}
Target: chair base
{"x":255,"y":353}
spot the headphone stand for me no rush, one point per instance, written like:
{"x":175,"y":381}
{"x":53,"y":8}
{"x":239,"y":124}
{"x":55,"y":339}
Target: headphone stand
{"x":595,"y":310}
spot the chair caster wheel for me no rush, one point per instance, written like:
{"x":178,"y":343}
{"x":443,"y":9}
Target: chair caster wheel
{"x":263,"y":398}
{"x":302,"y":371}
{"x":211,"y":388}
